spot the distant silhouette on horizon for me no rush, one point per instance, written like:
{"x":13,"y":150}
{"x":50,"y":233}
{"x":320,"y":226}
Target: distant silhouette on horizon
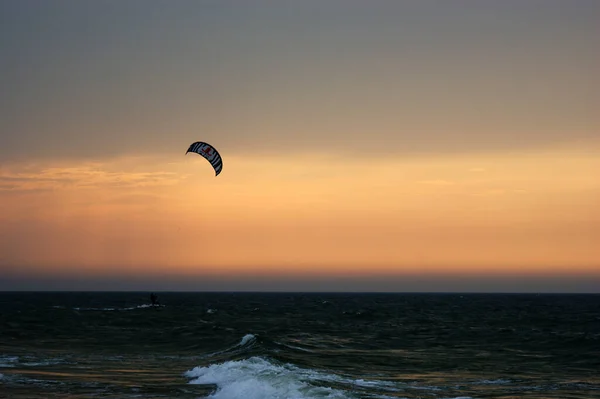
{"x":154,"y":299}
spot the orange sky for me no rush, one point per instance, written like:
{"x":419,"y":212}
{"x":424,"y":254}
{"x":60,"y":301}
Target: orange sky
{"x":423,"y":139}
{"x":514,"y":213}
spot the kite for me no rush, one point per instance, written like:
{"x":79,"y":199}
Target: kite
{"x":210,"y":153}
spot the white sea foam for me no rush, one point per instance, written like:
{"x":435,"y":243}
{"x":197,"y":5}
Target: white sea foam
{"x":275,"y":380}
{"x":380,"y":385}
{"x":8,"y":361}
{"x":388,"y":385}
{"x":141,"y":306}
{"x":144,"y":306}
{"x":258,"y":378}
{"x":48,"y":362}
{"x":246,"y":339}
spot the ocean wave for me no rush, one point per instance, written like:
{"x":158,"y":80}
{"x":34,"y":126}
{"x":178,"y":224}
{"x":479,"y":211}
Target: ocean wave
{"x":144,"y":306}
{"x":8,"y":361}
{"x":247,"y":339}
{"x":30,"y":361}
{"x":499,"y":381}
{"x":294,"y":347}
{"x":48,"y":362}
{"x":259,"y":378}
{"x":247,"y":342}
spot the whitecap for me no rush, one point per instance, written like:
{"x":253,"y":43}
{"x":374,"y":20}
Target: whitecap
{"x":248,"y":338}
{"x":8,"y":361}
{"x":259,"y":378}
{"x":246,"y":342}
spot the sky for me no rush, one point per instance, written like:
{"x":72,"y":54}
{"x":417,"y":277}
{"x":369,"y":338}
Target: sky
{"x":447,"y":146}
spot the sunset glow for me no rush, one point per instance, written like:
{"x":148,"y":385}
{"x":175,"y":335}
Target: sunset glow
{"x":375,"y":162}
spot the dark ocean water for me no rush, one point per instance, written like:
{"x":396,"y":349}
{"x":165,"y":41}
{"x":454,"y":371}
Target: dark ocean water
{"x":296,"y":346}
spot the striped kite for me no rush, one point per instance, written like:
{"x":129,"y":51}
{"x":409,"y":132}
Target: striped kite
{"x":210,"y":153}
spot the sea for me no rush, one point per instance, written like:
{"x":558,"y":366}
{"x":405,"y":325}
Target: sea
{"x":236,"y":345}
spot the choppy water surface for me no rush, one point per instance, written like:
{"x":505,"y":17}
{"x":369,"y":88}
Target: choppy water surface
{"x":295,"y":346}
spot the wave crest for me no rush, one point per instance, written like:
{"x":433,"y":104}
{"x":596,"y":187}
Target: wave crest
{"x":259,"y":378}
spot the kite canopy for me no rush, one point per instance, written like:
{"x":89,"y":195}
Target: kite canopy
{"x":210,"y":153}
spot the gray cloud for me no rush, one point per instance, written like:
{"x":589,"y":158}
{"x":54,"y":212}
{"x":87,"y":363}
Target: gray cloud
{"x":82,"y":177}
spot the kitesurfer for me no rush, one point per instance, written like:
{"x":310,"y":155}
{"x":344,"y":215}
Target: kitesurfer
{"x":154,"y":299}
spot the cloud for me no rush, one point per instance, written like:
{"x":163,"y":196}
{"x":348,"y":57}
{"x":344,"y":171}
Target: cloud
{"x":85,"y":176}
